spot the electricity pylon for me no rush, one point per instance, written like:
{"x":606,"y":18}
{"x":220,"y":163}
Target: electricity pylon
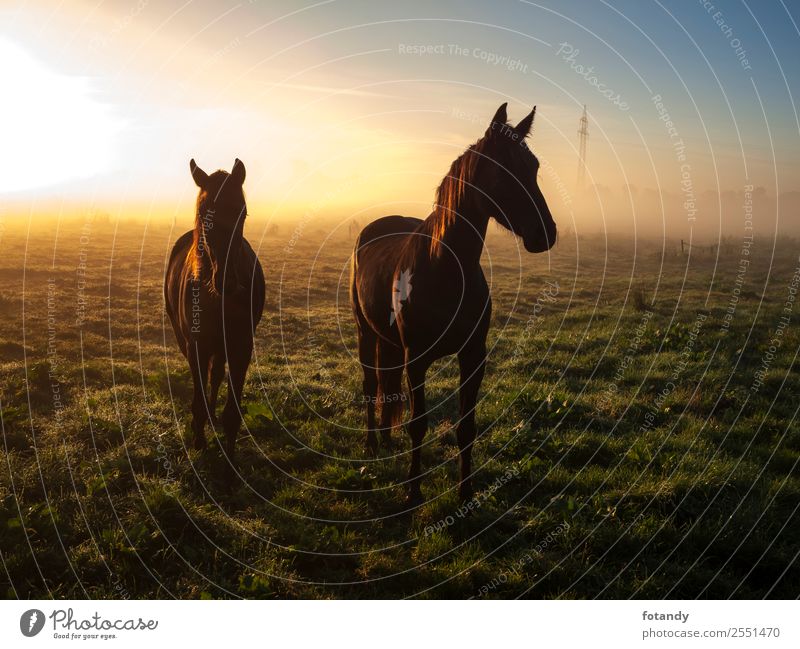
{"x":583,"y":132}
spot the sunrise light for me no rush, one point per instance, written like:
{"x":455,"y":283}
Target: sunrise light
{"x":55,"y":129}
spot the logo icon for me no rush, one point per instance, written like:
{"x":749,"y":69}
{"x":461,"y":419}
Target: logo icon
{"x":401,"y":291}
{"x":31,"y":622}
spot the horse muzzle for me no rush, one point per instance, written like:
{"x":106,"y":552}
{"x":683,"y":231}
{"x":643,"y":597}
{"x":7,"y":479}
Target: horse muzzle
{"x":543,"y":241}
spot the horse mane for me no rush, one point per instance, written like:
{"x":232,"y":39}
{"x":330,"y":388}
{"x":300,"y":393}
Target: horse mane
{"x":451,"y":191}
{"x":195,"y":255}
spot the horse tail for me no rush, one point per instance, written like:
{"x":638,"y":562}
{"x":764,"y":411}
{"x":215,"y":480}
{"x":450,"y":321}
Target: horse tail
{"x":353,"y":263}
{"x":367,"y":339}
{"x":389,"y":361}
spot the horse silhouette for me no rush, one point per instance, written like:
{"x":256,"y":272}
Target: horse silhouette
{"x":214,"y":293}
{"x":418,"y":291}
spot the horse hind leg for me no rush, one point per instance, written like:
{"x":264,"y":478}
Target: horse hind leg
{"x":390,"y":389}
{"x":367,"y":355}
{"x":216,"y":372}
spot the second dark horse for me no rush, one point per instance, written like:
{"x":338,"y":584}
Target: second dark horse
{"x":419,"y":293}
{"x":214,"y":292}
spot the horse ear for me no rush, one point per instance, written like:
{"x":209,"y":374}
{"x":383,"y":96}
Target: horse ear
{"x":500,"y":117}
{"x":238,"y":172}
{"x":524,"y":127}
{"x":200,"y":177}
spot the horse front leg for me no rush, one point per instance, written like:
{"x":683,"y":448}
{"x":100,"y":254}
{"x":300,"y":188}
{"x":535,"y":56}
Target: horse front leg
{"x":367,"y":341}
{"x":198,"y":364}
{"x":216,"y":372}
{"x":370,"y":392}
{"x":472,"y":364}
{"x":238,"y":362}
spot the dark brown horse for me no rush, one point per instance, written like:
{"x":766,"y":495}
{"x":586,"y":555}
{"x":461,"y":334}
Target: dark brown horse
{"x":214,"y":292}
{"x":419,"y":293}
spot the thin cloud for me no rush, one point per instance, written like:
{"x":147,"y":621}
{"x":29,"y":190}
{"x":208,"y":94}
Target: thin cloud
{"x":329,"y":90}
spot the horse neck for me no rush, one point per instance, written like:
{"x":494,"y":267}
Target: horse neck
{"x":464,"y":237}
{"x":215,"y":248}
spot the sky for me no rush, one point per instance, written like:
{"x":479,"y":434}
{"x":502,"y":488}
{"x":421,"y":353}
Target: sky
{"x":354,"y":108}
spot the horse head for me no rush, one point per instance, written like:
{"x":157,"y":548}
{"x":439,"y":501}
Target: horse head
{"x":219,"y":225}
{"x":512,"y":191}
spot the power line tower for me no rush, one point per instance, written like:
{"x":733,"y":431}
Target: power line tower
{"x":583,"y":132}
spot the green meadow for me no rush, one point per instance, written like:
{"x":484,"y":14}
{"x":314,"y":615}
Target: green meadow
{"x":638,"y":431}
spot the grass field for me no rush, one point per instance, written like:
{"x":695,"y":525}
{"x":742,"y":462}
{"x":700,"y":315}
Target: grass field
{"x":630,"y":445}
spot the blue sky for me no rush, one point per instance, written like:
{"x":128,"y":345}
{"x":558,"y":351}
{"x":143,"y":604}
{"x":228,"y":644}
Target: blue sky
{"x":315,"y":95}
